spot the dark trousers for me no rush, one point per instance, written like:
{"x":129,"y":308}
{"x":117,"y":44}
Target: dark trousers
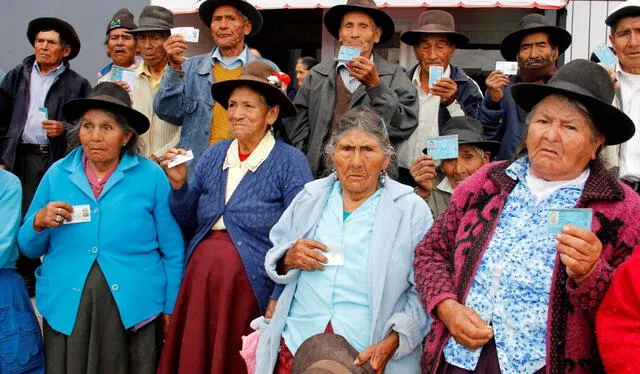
{"x":30,"y":166}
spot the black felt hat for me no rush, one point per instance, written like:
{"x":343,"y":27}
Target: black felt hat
{"x":630,"y":8}
{"x":333,"y":18}
{"x":122,"y":19}
{"x":208,"y":7}
{"x":589,"y":84}
{"x":154,"y":18}
{"x":108,"y":96}
{"x":469,"y":131}
{"x":66,"y":31}
{"x":529,"y":24}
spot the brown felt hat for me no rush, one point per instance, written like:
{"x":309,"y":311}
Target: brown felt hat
{"x":66,"y":31}
{"x":208,"y":7}
{"x":529,"y":24}
{"x":435,"y":22}
{"x":333,"y":18}
{"x":328,"y":352}
{"x":259,"y":76}
{"x":122,"y":19}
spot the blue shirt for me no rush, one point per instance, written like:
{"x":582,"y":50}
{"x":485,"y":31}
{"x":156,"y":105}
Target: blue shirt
{"x":338,"y":294}
{"x":10,"y":207}
{"x":230,"y":62}
{"x":40,"y":84}
{"x":512,"y":285}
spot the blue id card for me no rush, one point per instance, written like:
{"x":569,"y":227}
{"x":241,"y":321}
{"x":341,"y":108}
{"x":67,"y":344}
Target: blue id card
{"x":347,"y":53}
{"x":116,"y":74}
{"x":442,"y":147}
{"x":44,"y":112}
{"x":557,"y":218}
{"x":435,"y":73}
{"x":605,"y":55}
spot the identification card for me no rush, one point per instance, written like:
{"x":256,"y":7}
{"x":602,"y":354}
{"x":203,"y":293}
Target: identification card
{"x":507,"y":67}
{"x":442,"y":147}
{"x":435,"y":73}
{"x":44,"y":112}
{"x":605,"y":55}
{"x":334,"y":257}
{"x":81,"y":213}
{"x":181,"y":159}
{"x":557,"y":218}
{"x":124,"y":75}
{"x":347,"y":53}
{"x":190,"y":34}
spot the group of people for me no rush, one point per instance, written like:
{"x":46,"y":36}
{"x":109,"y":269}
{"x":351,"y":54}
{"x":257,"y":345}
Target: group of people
{"x":316,"y":216}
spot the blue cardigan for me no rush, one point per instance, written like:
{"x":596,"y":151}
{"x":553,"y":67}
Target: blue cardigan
{"x":132,"y":235}
{"x":255,"y":206}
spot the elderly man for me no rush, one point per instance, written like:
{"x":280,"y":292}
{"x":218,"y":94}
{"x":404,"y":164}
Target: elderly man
{"x":536,"y":46}
{"x":121,"y":46}
{"x":625,"y":39}
{"x":333,"y":87}
{"x":155,"y":27}
{"x":32,"y":135}
{"x":184,"y":96}
{"x":455,"y":94}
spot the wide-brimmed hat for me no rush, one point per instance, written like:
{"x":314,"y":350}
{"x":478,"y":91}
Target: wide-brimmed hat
{"x":630,"y":8}
{"x":333,"y":18}
{"x":327,"y":348}
{"x":154,"y":18}
{"x":66,"y":31}
{"x":208,"y":7}
{"x":529,"y":24}
{"x":469,"y":131}
{"x":260,"y":76}
{"x":108,"y":96}
{"x":435,"y":22}
{"x":589,"y":84}
{"x":122,"y":19}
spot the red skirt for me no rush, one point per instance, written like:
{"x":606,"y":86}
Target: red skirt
{"x":214,"y":308}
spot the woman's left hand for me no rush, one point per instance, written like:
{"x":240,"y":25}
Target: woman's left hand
{"x":579,"y":251}
{"x":271,"y":308}
{"x":166,"y":321}
{"x":379,"y":354}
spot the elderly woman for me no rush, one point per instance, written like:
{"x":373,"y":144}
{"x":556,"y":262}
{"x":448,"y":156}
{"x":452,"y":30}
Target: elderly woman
{"x":113,"y":253}
{"x":240,"y":189}
{"x":344,"y":250}
{"x":508,"y":293}
{"x":20,"y":342}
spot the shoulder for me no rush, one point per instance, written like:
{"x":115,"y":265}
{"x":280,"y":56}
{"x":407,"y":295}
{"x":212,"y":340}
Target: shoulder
{"x":288,"y":151}
{"x":403,"y":194}
{"x":72,"y":75}
{"x":9,"y":182}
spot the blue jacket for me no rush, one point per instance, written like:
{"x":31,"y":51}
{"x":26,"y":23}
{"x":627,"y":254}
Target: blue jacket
{"x":255,"y":206}
{"x":503,"y":122}
{"x":468,"y":95}
{"x":10,"y":211}
{"x":184,"y":99}
{"x":132,"y":235}
{"x":402,"y":219}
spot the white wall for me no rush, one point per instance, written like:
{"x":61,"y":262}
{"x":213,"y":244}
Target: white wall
{"x":585,"y":22}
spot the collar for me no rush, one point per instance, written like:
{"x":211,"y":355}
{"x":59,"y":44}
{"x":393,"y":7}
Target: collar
{"x":242,"y":57}
{"x":518,"y":169}
{"x":254,"y":160}
{"x":445,"y":186}
{"x":55,"y":72}
{"x":73,"y":160}
{"x":143,"y":69}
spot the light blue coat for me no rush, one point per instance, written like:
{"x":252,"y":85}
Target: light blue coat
{"x":132,"y":235}
{"x":402,"y":219}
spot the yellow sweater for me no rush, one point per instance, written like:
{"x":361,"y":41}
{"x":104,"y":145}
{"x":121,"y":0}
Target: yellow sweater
{"x":219,"y":123}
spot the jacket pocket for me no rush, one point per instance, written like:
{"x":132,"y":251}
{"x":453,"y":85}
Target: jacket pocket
{"x":190,"y":105}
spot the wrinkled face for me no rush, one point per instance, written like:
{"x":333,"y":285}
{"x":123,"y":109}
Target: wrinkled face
{"x":434,"y":50}
{"x":301,"y":73}
{"x":49,"y":50}
{"x":358,"y":30}
{"x":151,"y":47}
{"x":536,"y":51}
{"x":101,"y":136}
{"x":560,"y":141}
{"x":249,"y":116}
{"x":121,"y":47}
{"x":626,"y":42}
{"x":359,"y":159}
{"x":467,"y":163}
{"x":229,"y":27}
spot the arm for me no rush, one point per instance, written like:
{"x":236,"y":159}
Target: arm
{"x":33,"y":243}
{"x":11,"y":203}
{"x":169,"y":100}
{"x":184,"y":201}
{"x":467,"y":101}
{"x":490,"y":114}
{"x":297,"y":176}
{"x":298,"y":130}
{"x":589,"y":294}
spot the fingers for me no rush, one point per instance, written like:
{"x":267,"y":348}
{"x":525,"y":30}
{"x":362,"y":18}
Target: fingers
{"x":313,"y":244}
{"x":54,"y":214}
{"x":364,"y":356}
{"x":170,"y":155}
{"x":53,"y":128}
{"x":471,"y":343}
{"x":304,"y":255}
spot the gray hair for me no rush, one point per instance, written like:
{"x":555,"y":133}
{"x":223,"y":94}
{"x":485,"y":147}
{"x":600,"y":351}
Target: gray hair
{"x":361,"y":118}
{"x":133,"y":146}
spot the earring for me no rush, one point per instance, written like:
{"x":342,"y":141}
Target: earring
{"x":382,"y":179}
{"x":124,"y":144}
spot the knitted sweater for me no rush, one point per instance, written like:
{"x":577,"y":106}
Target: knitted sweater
{"x":449,"y":255}
{"x":255,"y":206}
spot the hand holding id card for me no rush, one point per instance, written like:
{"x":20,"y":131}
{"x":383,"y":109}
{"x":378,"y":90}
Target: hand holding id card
{"x":442,"y":147}
{"x":81,"y":213}
{"x":346,"y":53}
{"x":557,"y":218}
{"x":435,"y":73}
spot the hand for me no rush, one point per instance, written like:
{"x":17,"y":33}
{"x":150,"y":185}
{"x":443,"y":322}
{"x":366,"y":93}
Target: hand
{"x":52,"y":215}
{"x":613,"y":75}
{"x":579,"y":251}
{"x":496,"y":82}
{"x":304,"y":256}
{"x":271,"y":308}
{"x":166,"y":322}
{"x":365,"y":71}
{"x":3,"y":166}
{"x":53,"y":128}
{"x":423,"y":172}
{"x":177,"y":174}
{"x":379,"y":354}
{"x":175,"y":47}
{"x":123,"y":84}
{"x":464,"y":324}
{"x":446,"y":88}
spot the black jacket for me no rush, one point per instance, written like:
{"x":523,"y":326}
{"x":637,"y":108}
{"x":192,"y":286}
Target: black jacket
{"x":14,"y":107}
